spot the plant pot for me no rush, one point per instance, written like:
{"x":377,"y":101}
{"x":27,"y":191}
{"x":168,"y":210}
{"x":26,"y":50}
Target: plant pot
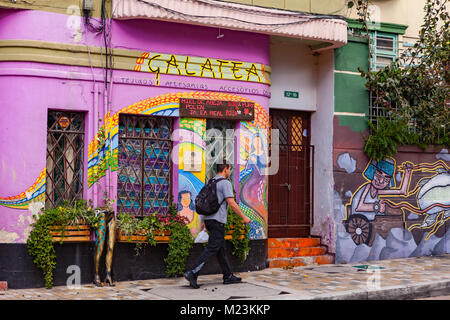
{"x":140,"y":237}
{"x":71,"y":233}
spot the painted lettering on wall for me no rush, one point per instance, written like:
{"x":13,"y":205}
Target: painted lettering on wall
{"x":194,"y":86}
{"x":202,"y":108}
{"x":203,"y":67}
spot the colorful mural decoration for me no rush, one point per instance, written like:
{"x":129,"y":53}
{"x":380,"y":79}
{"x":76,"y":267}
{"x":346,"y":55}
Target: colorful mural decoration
{"x":383,"y":221}
{"x":161,"y":63}
{"x":186,"y":208}
{"x":103,"y":156}
{"x":191,"y":139}
{"x":35,"y":193}
{"x":253,"y":181}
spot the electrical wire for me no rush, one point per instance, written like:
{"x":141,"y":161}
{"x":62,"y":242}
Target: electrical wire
{"x":289,"y":13}
{"x":310,"y":19}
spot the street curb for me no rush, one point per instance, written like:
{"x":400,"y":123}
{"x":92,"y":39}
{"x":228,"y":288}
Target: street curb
{"x":421,"y":290}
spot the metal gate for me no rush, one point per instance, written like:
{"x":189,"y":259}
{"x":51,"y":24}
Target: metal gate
{"x":145,"y":166}
{"x":64,"y":165}
{"x":220,"y":146}
{"x":290,"y":189}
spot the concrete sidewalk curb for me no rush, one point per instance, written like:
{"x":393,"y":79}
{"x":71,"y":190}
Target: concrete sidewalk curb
{"x":391,"y":292}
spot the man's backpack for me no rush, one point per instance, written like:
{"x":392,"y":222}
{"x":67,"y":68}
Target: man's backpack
{"x":207,"y":202}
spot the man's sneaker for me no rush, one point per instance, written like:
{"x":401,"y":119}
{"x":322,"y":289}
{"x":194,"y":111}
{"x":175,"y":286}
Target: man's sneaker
{"x":190,"y":276}
{"x":232,"y":279}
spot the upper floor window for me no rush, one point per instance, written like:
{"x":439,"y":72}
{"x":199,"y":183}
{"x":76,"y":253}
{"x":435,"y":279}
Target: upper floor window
{"x":384,"y":48}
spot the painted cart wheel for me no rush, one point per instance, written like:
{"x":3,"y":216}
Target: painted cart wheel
{"x":359,"y":228}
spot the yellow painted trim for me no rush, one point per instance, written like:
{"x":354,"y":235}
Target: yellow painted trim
{"x":133,"y":60}
{"x":56,"y":6}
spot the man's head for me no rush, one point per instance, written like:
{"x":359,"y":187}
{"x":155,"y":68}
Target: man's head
{"x":223,"y":169}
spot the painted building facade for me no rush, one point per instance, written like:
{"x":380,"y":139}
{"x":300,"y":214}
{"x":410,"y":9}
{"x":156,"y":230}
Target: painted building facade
{"x":68,"y":84}
{"x":412,"y":187}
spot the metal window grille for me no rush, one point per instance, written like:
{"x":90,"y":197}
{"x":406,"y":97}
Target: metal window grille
{"x":64,"y":165}
{"x":220,"y":145}
{"x":145,"y":166}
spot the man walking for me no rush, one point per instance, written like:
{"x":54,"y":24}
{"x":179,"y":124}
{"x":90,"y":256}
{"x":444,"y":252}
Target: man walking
{"x":215,"y":224}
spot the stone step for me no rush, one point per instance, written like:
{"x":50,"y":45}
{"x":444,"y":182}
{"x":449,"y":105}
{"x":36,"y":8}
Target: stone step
{"x":293,"y":242}
{"x":296,"y":252}
{"x":300,"y":261}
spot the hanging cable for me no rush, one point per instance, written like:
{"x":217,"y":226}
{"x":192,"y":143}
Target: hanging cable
{"x":305,"y":20}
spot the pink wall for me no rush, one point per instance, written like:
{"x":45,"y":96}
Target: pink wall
{"x":28,"y":90}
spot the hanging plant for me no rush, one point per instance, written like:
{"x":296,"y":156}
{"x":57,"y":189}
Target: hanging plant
{"x":146,"y":230}
{"x":239,"y":240}
{"x":40,"y":243}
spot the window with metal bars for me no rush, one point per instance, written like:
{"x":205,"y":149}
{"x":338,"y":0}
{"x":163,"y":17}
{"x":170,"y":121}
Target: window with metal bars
{"x":64,"y":165}
{"x":220,"y":145}
{"x":384,"y":47}
{"x":145,"y":166}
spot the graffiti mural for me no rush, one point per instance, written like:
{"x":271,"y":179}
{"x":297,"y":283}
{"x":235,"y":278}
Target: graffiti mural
{"x":253,"y":181}
{"x":186,"y":208}
{"x":191,"y":139}
{"x":383,"y":220}
{"x":103,"y":157}
{"x":36,"y":193}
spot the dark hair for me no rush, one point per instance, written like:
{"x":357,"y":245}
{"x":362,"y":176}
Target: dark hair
{"x":221,"y":166}
{"x":191,"y":205}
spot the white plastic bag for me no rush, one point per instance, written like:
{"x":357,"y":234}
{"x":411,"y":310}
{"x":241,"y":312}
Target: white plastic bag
{"x":202,"y":237}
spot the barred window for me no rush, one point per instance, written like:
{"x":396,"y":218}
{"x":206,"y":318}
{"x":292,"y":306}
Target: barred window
{"x":145,"y":166}
{"x":65,"y":144}
{"x":220,"y":145}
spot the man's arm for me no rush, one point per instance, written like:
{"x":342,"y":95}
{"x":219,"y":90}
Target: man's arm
{"x":235,"y":207}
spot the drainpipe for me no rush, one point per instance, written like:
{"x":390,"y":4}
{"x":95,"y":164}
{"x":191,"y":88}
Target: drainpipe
{"x":108,"y":172}
{"x":95,"y":128}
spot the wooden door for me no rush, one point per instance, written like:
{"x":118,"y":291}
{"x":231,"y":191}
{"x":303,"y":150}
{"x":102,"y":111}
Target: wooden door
{"x":290,"y":198}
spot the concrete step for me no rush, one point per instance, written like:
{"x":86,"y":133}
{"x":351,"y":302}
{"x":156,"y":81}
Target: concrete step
{"x":293,"y":242}
{"x":296,"y":252}
{"x":292,"y":262}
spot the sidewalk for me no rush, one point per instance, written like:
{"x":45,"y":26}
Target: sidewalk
{"x":394,"y":279}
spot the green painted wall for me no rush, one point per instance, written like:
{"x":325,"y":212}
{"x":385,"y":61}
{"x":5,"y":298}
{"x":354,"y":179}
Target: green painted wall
{"x":351,"y":56}
{"x":351,"y":95}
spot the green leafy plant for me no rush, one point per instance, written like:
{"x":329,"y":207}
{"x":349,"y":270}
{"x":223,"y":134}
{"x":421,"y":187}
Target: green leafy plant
{"x":180,"y":242}
{"x":414,"y":90}
{"x":239,"y":240}
{"x":40,"y":241}
{"x":386,"y":137}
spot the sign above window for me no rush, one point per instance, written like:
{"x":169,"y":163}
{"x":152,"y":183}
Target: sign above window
{"x":217,"y":109}
{"x":202,"y":67}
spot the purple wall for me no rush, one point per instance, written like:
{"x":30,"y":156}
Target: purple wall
{"x":28,"y":90}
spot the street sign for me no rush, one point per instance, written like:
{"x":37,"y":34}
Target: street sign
{"x":291,"y":94}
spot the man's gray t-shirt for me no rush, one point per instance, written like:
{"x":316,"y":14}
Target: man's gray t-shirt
{"x":224,"y":190}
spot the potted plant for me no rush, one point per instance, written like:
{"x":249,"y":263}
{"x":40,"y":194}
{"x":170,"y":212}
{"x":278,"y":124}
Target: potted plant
{"x":65,"y":223}
{"x":169,"y":228}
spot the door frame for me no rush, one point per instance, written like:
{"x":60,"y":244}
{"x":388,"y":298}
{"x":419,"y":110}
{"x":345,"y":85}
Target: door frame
{"x":304,"y":217}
